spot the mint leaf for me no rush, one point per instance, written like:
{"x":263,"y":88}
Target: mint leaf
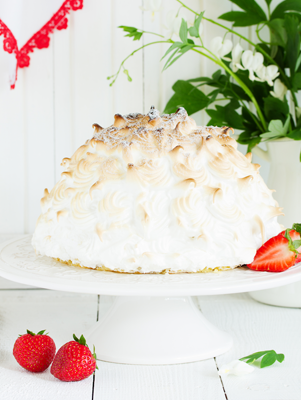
{"x":280,"y":357}
{"x":269,"y":357}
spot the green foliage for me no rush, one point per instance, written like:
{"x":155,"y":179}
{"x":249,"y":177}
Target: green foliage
{"x":188,"y":96}
{"x":253,"y":14}
{"x":269,"y":357}
{"x":232,"y":98}
{"x":194,"y":30}
{"x":132,"y":32}
{"x":293,"y":42}
{"x":286,"y":5}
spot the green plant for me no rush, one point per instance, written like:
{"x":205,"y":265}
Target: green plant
{"x":254,"y":90}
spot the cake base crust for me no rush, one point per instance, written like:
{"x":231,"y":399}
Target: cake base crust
{"x":165,"y":271}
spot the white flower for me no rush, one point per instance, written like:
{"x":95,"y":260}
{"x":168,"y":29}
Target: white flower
{"x":251,"y":62}
{"x":153,"y":6}
{"x":237,"y":368}
{"x":271,"y":74}
{"x":236,"y":56}
{"x":173,"y":23}
{"x":279,"y":89}
{"x":267,"y":73}
{"x":220,"y":48}
{"x":298,"y":111}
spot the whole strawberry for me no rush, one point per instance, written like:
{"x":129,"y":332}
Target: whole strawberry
{"x":34,"y":352}
{"x":74,"y":361}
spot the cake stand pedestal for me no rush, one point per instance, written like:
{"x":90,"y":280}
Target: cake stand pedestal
{"x":154,"y":319}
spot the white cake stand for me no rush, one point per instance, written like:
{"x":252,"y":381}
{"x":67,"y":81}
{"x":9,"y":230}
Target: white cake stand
{"x":154,"y":319}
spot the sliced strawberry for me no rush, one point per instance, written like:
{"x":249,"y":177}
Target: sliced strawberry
{"x":295,"y":236}
{"x":273,"y":256}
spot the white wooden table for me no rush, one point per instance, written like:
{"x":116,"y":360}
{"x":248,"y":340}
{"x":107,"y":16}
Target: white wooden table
{"x":253,"y":326}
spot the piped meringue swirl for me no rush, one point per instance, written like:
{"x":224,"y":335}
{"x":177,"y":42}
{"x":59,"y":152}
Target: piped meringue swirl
{"x":157,"y":193}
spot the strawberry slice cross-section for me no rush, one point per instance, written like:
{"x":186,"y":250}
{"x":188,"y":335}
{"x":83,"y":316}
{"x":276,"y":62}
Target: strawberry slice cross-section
{"x":274,"y":256}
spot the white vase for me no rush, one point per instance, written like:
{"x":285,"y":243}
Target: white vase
{"x":285,"y":178}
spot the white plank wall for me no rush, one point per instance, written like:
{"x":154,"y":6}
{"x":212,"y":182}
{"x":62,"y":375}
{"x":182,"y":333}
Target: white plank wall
{"x":64,"y":91}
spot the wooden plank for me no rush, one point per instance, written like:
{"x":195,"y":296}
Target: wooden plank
{"x":256,"y":327}
{"x":62,"y":314}
{"x":91,"y":96}
{"x":5,"y":283}
{"x":12,"y":153}
{"x":127,"y":96}
{"x":62,"y":95}
{"x":38,"y":124}
{"x":191,"y":381}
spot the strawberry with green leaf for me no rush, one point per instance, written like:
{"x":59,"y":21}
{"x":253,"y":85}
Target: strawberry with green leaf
{"x":74,"y":361}
{"x":279,"y":253}
{"x":34,"y":352}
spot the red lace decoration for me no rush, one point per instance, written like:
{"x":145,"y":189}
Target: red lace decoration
{"x":40,"y":39}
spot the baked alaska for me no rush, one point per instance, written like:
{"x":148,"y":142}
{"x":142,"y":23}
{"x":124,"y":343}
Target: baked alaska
{"x":157,"y":194}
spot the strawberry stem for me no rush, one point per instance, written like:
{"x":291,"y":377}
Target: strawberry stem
{"x":80,"y":340}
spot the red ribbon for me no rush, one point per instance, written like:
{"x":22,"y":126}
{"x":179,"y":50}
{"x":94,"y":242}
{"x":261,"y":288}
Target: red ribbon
{"x":40,"y":39}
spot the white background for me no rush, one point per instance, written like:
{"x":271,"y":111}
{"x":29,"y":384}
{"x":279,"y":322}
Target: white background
{"x":64,"y":91}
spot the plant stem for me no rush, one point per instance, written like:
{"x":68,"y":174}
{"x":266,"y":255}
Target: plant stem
{"x":241,"y":84}
{"x":135,"y":51}
{"x":153,"y":33}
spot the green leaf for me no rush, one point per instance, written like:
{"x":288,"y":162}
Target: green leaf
{"x":297,"y":227}
{"x":293,"y":42}
{"x":296,"y":82}
{"x":132,"y":32}
{"x":286,"y":5}
{"x":273,"y":107}
{"x":82,"y":340}
{"x":268,"y":2}
{"x":295,"y":134}
{"x":279,"y":35}
{"x":188,"y":96}
{"x":30,"y":333}
{"x":226,"y":115}
{"x":194,"y":30}
{"x":41,"y":332}
{"x":241,"y":18}
{"x":251,"y":7}
{"x":253,"y":142}
{"x":297,"y":244}
{"x":174,"y":46}
{"x":268,"y":359}
{"x":276,"y":126}
{"x":280,"y":357}
{"x":255,"y":356}
{"x":183,"y":31}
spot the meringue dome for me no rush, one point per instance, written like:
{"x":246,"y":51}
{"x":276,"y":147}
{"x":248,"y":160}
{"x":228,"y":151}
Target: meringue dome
{"x":155,"y":194}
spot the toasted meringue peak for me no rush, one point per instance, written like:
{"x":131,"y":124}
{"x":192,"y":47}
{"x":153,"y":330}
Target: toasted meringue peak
{"x":155,"y":193}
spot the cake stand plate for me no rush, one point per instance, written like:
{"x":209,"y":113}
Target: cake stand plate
{"x":154,"y":319}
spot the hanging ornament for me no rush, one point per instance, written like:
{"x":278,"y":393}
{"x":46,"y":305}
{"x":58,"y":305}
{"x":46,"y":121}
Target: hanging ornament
{"x":40,"y":40}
